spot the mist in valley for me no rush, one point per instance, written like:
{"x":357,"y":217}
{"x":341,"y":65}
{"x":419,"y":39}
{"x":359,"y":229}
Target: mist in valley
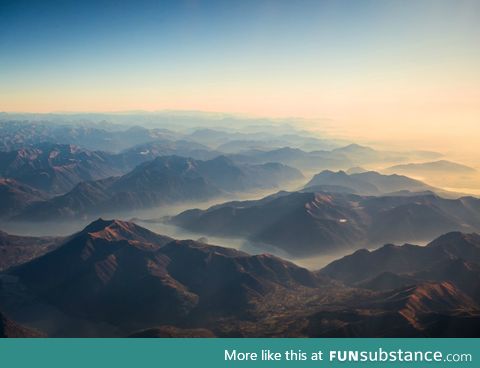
{"x":434,"y":169}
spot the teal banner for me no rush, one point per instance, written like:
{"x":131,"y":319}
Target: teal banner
{"x":73,"y":353}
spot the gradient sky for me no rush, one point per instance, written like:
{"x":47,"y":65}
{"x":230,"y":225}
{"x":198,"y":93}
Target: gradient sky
{"x":375,"y":68}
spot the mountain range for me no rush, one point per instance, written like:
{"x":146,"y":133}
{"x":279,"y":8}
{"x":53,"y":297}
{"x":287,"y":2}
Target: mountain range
{"x":262,"y":138}
{"x":21,"y":134}
{"x":55,"y":168}
{"x":366,"y":183}
{"x":340,"y":158}
{"x":454,"y":257}
{"x":443,"y":173}
{"x":115,"y":278}
{"x":165,"y":180}
{"x":309,"y":223}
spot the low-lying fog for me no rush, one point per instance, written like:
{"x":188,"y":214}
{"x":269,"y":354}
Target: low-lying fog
{"x":152,"y":219}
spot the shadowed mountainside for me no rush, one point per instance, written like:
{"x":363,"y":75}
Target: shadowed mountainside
{"x":116,"y":278}
{"x":113,"y":269}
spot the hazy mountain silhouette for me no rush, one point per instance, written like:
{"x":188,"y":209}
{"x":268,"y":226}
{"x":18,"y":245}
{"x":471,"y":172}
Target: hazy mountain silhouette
{"x":318,"y":222}
{"x":443,"y":173}
{"x":367,"y":183}
{"x":151,"y":150}
{"x":424,"y":168}
{"x":165,"y":180}
{"x":16,"y":134}
{"x":320,"y":159}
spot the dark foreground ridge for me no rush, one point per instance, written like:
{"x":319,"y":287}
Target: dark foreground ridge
{"x":115,"y":278}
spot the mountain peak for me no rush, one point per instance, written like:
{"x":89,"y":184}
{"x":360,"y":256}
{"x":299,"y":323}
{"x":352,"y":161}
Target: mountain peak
{"x":115,"y":230}
{"x":100,"y":224}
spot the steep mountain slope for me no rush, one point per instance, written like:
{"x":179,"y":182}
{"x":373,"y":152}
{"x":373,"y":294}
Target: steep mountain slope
{"x":114,"y":269}
{"x":314,"y":223}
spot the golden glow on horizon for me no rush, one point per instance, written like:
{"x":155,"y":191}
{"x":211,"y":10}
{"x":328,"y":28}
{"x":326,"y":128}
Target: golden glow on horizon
{"x":431,"y":113}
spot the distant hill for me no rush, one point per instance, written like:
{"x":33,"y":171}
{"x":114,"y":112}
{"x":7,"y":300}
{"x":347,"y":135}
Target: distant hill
{"x":22,"y":134}
{"x":442,"y":173}
{"x":372,"y":183}
{"x":368,"y":182}
{"x":443,"y":166}
{"x":320,"y":159}
{"x":263,"y":138}
{"x":139,"y":154}
{"x":310,"y":223}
